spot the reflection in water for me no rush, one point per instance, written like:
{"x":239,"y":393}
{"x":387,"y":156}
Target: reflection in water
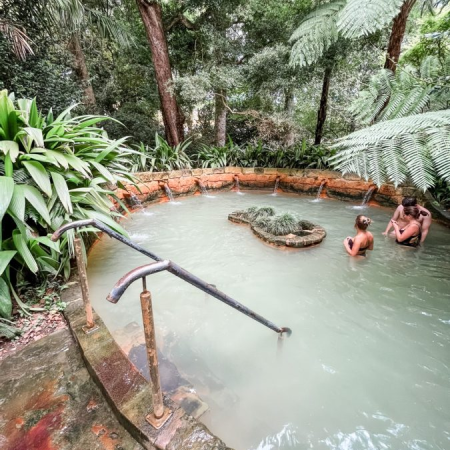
{"x":370,"y":335}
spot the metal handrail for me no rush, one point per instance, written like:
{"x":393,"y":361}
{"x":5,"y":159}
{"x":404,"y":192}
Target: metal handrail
{"x":160,"y":414}
{"x":170,"y":266}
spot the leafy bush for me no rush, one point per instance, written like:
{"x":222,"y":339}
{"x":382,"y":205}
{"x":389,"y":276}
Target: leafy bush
{"x":162,"y":157}
{"x":279,"y":225}
{"x":295,"y":157}
{"x":441,"y":192}
{"x":211,"y":156}
{"x":52,"y":171}
{"x":253,"y":213}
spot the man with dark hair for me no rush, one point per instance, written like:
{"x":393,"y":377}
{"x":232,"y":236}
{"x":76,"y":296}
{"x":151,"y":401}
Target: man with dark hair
{"x":425,"y":217}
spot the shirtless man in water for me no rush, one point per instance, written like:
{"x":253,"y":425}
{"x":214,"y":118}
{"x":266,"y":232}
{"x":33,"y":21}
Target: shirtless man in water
{"x":425,"y":217}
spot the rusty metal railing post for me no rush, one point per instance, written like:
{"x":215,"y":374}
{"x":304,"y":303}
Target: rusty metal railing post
{"x":160,"y":414}
{"x":90,"y":326}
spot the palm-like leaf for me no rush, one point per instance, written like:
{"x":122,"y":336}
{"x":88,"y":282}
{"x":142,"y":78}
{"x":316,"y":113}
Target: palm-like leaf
{"x":416,"y":146}
{"x":350,"y":19}
{"x":316,"y":33}
{"x":408,"y":92}
{"x":363,"y":17}
{"x":17,"y":37}
{"x":74,"y":15}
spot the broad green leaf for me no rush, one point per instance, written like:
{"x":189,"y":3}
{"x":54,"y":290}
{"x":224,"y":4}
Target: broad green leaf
{"x":37,"y":201}
{"x":103,"y":171}
{"x":6,"y":107}
{"x":59,"y":157}
{"x":109,"y":149}
{"x":48,"y":264}
{"x":6,"y":193}
{"x":17,"y":204}
{"x":107,"y":220}
{"x":64,"y":114}
{"x":63,"y":191}
{"x":41,"y":158}
{"x":79,"y":165}
{"x":35,"y":119}
{"x":48,"y":242}
{"x":11,"y":148}
{"x":20,"y":241}
{"x":39,"y":175}
{"x":36,"y":135}
{"x":5,"y":258}
{"x":5,"y":300}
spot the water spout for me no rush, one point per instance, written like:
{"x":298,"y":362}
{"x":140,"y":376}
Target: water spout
{"x":368,"y":196}
{"x":320,"y":190}
{"x":275,"y":188}
{"x":134,"y":202}
{"x":236,"y":183}
{"x":201,"y":186}
{"x":168,"y":192}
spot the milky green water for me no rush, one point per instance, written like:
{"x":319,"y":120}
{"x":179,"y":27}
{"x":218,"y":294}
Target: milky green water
{"x":368,"y":363}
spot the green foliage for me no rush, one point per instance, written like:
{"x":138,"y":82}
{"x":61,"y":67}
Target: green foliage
{"x":434,"y":40}
{"x":212,"y":156}
{"x":8,"y":330}
{"x":408,"y":92}
{"x":316,"y":33}
{"x":441,"y":192}
{"x":416,"y":147}
{"x":349,"y":19}
{"x":254,"y":213}
{"x":52,"y":171}
{"x":162,"y":156}
{"x":279,"y":225}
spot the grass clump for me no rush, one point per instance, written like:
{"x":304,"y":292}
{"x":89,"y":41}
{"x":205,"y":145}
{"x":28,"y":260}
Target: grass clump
{"x":280,"y":225}
{"x":254,"y":213}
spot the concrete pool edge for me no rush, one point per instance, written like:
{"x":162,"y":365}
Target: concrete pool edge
{"x":126,"y":390}
{"x":149,"y":186}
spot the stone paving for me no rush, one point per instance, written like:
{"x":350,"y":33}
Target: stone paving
{"x":48,"y":401}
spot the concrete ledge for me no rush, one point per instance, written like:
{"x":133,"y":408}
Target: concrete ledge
{"x":127,"y":391}
{"x":150,"y":185}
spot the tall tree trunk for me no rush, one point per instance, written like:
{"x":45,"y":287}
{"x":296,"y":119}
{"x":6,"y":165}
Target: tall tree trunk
{"x":173,"y":119}
{"x":397,"y":33}
{"x":322,"y":113}
{"x":395,"y":45}
{"x":289,"y":106}
{"x":81,"y":69}
{"x":289,"y":103}
{"x":220,"y":119}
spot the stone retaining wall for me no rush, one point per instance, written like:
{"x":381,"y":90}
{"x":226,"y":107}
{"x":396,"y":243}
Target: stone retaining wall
{"x":150,"y":186}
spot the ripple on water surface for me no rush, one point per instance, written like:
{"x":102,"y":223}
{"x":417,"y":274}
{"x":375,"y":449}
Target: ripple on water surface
{"x":367,"y":365}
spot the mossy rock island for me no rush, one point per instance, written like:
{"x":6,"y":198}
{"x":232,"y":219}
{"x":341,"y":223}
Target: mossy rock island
{"x":280,"y":229}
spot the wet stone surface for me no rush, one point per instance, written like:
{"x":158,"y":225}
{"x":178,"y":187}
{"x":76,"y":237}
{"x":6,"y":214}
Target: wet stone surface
{"x":49,"y":402}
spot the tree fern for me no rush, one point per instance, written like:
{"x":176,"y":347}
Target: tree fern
{"x":408,"y":92}
{"x":316,"y":33}
{"x":363,"y":17}
{"x":415,"y":147}
{"x":349,"y":19}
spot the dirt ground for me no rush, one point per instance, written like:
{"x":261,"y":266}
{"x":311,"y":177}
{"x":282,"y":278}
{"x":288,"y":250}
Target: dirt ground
{"x":34,"y":327}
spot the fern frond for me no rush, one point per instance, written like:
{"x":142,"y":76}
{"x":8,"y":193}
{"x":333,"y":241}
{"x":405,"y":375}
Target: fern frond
{"x":363,"y":17}
{"x":372,"y":100}
{"x":316,"y":33}
{"x":415,"y":147}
